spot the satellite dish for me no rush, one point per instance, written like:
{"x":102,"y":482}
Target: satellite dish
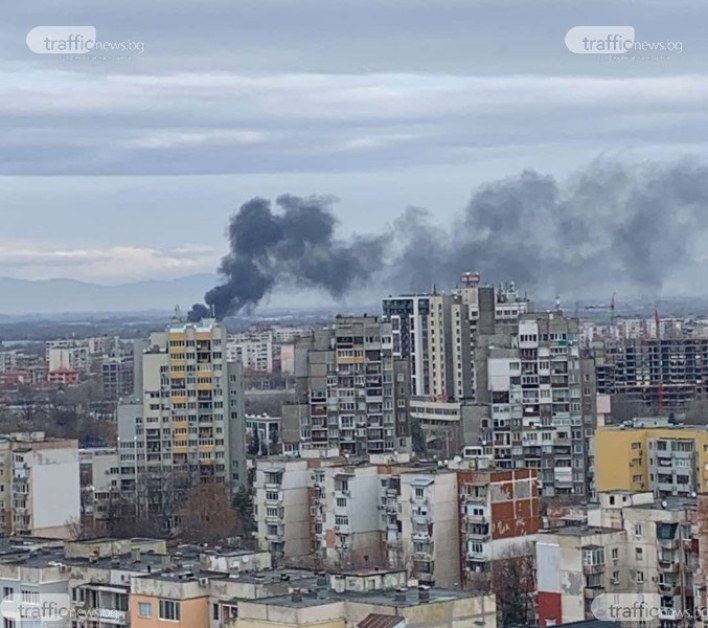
{"x":664,"y":504}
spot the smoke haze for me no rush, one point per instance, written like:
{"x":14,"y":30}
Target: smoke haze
{"x":608,"y":225}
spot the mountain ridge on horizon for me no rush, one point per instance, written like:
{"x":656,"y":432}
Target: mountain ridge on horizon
{"x":65,"y":295}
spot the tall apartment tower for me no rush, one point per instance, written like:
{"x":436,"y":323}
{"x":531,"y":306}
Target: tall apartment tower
{"x":352,"y":394}
{"x":436,"y":334}
{"x":541,"y":396}
{"x":187,"y":424}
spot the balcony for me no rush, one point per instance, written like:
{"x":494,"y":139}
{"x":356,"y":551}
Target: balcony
{"x":668,"y":566}
{"x":669,"y":614}
{"x":476,"y":518}
{"x":668,"y":544}
{"x":591,"y":570}
{"x":590,"y":593}
{"x":110,"y":616}
{"x":669,"y":589}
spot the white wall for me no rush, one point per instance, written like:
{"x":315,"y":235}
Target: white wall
{"x":54,"y":488}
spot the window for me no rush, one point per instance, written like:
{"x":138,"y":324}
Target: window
{"x":638,"y":530}
{"x":144,"y":609}
{"x":7,"y":592}
{"x":639,"y":553}
{"x":339,"y":520}
{"x":615,"y":553}
{"x":419,"y":492}
{"x":594,"y":556}
{"x":341,"y":502}
{"x":169,"y":610}
{"x":475,"y":547}
{"x":639,"y":577}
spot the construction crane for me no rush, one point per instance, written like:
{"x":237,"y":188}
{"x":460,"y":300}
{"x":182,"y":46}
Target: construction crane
{"x":605,"y":306}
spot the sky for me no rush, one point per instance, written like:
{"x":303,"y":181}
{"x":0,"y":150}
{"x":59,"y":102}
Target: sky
{"x":126,"y":166}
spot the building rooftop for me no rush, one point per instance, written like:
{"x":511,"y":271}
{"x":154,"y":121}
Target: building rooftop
{"x":387,"y":597}
{"x":583,"y":530}
{"x":672,"y":503}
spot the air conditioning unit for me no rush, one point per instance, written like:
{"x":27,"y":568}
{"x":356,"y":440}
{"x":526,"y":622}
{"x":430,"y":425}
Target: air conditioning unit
{"x":203,"y":582}
{"x":615,"y":581}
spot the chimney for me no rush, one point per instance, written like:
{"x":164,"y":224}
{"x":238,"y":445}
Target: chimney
{"x":400,"y":595}
{"x":423,"y":594}
{"x":296,"y":595}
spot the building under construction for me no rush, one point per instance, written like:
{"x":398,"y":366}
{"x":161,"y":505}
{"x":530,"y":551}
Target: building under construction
{"x":660,"y":372}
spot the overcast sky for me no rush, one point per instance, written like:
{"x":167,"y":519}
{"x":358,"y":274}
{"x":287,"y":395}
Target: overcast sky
{"x":122,"y":169}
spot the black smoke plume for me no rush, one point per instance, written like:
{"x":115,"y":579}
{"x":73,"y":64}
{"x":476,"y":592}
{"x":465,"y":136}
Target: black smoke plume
{"x":610,"y":225}
{"x":296,"y":243}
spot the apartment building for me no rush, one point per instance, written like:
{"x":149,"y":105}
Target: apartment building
{"x":351,"y":393}
{"x":117,"y":373}
{"x":660,"y":557}
{"x":430,"y":526}
{"x":632,"y":544}
{"x":187,"y":424}
{"x":253,"y":349}
{"x":436,"y":333}
{"x":365,"y":600}
{"x":571,"y":561}
{"x":650,"y":454}
{"x":408,"y":315}
{"x":39,"y":485}
{"x":138,"y":582}
{"x":282,"y":506}
{"x":264,"y":431}
{"x":666,"y":372}
{"x":68,"y":355}
{"x":448,"y":426}
{"x":499,"y":519}
{"x":99,"y":472}
{"x":542,"y":398}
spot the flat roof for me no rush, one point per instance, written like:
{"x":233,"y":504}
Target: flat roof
{"x":376,"y":598}
{"x":583,"y":530}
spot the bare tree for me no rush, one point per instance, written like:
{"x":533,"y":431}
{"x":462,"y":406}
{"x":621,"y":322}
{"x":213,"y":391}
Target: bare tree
{"x":514,"y":583}
{"x":207,"y":516}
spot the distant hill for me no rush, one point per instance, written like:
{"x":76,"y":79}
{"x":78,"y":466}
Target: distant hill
{"x":52,"y":296}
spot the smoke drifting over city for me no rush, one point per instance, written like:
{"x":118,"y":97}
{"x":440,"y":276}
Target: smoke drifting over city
{"x":609,"y":225}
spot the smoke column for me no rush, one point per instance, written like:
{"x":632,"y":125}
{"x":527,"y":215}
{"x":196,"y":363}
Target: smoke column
{"x":296,"y":243}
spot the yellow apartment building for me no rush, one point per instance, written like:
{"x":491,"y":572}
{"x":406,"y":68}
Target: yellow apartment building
{"x":652,"y":455}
